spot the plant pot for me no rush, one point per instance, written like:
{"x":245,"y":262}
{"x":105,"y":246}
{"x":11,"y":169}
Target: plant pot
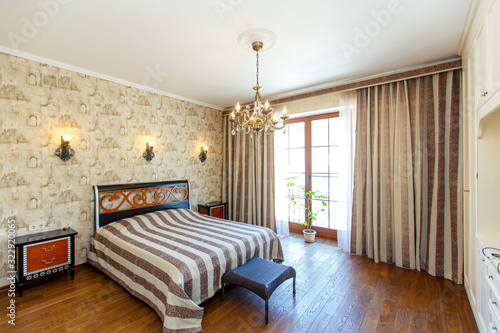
{"x":309,"y":235}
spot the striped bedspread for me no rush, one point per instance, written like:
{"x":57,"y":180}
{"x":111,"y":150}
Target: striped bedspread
{"x":174,"y":259}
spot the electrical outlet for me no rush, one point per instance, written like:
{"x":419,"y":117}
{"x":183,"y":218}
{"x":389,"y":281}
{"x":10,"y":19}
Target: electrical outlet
{"x":36,"y":227}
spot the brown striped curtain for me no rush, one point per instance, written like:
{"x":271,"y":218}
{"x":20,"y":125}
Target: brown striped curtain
{"x":248,"y":177}
{"x":407,"y":196}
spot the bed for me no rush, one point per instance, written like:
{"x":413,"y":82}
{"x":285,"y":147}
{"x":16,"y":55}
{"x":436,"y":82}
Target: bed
{"x":149,"y":240}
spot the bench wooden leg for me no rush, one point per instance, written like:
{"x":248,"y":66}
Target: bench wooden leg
{"x":267,"y":311}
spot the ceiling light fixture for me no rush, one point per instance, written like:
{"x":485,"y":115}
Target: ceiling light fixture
{"x":262,"y":117}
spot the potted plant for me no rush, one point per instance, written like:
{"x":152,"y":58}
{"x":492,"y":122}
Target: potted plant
{"x":310,"y":214}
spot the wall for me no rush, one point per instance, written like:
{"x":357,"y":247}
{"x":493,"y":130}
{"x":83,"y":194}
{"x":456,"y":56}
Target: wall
{"x":488,"y":184}
{"x":304,"y":105}
{"x":316,"y":103}
{"x":110,"y":124}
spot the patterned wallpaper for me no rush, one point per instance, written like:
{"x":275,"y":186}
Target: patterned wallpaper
{"x":110,"y":124}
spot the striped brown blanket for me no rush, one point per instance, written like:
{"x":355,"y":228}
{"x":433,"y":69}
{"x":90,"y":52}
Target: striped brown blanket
{"x":174,"y":259}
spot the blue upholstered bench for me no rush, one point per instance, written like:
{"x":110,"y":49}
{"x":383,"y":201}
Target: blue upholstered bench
{"x":261,"y":277}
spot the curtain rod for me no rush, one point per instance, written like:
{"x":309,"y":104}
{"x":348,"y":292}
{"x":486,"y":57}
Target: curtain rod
{"x":369,"y":82}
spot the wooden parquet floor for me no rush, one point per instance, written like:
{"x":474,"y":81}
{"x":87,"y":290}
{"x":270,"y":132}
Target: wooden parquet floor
{"x":336,"y":292}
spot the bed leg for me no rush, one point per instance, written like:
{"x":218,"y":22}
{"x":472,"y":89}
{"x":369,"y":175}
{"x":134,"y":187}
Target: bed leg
{"x":223,"y":290}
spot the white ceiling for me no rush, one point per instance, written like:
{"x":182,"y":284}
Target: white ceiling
{"x":189,"y":48}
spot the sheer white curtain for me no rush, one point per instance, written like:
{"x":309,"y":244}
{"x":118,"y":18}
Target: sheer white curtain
{"x":348,"y":108}
{"x":281,"y":191}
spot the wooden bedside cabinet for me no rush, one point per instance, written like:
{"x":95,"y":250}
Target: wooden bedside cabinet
{"x":215,"y":209}
{"x":44,"y":254}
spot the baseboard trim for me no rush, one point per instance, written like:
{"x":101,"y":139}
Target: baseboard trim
{"x":82,"y":265}
{"x":325,"y":233}
{"x":473,"y":306}
{"x":6,"y":287}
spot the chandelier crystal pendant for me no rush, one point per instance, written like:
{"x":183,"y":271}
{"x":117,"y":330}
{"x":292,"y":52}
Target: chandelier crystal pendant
{"x":262,"y":117}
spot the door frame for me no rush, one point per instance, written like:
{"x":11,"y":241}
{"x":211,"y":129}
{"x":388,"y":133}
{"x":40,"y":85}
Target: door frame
{"x":295,"y":227}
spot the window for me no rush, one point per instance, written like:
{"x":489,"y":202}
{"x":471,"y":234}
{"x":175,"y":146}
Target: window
{"x":313,"y":150}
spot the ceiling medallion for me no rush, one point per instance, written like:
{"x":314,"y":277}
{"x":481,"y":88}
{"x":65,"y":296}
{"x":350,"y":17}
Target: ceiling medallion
{"x":267,"y":37}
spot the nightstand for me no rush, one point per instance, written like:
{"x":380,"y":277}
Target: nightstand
{"x":44,"y":254}
{"x":215,"y":209}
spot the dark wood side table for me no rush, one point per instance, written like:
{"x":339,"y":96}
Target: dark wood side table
{"x":44,"y":254}
{"x":215,"y":209}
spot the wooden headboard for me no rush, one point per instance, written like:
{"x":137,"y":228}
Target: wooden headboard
{"x":116,"y":202}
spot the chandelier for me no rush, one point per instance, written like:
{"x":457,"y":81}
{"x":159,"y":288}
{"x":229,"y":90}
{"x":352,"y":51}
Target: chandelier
{"x":262,"y":117}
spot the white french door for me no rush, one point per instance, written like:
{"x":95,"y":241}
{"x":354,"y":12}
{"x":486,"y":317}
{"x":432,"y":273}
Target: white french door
{"x":313,"y":150}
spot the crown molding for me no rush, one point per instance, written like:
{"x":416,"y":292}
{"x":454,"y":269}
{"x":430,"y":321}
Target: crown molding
{"x":467,"y":28}
{"x":50,"y":62}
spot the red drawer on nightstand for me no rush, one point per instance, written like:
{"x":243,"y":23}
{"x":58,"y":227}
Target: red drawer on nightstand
{"x":46,"y":255}
{"x":215,"y":209}
{"x":217,"y":212}
{"x":47,"y":248}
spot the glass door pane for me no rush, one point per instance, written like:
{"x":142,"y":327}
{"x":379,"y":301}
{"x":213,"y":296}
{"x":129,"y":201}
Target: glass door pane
{"x":320,"y":170}
{"x":326,"y":167}
{"x":296,"y":135}
{"x":319,"y":133}
{"x":319,"y":160}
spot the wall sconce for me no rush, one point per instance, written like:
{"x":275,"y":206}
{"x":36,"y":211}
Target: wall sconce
{"x":203,"y":154}
{"x":148,"y":154}
{"x":65,"y":152}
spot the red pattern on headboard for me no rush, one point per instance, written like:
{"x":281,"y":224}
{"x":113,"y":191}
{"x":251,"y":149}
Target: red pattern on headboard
{"x":121,"y":200}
